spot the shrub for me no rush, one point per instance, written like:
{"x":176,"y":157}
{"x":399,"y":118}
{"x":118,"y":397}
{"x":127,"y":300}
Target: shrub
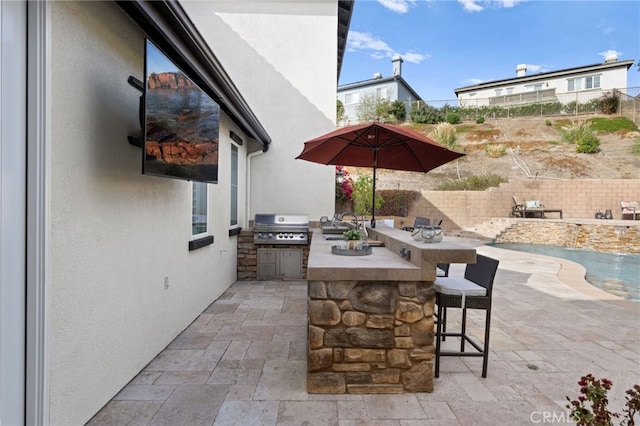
{"x":397,"y":202}
{"x":363,"y":195}
{"x":495,"y":150}
{"x":547,"y":122}
{"x":590,"y":144}
{"x":480,"y":120}
{"x":594,"y":392}
{"x":425,"y":114}
{"x":609,"y":102}
{"x":582,"y":136}
{"x":339,"y":111}
{"x":453,"y":118}
{"x":472,"y":183}
{"x":445,"y":134}
{"x":398,"y":110}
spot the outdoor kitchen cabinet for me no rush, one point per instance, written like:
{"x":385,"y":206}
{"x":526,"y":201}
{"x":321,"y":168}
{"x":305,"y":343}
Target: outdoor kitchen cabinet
{"x":279,"y":263}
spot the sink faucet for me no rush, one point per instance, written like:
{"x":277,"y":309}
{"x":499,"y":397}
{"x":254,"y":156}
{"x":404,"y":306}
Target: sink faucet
{"x":355,"y":217}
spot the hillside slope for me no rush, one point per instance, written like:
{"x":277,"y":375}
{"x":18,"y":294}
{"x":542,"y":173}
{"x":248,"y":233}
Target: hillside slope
{"x":532,"y":148}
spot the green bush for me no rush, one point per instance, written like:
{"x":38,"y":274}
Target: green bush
{"x":363,"y":194}
{"x":590,"y":144}
{"x":398,"y":110}
{"x":480,"y":120}
{"x":582,"y":136}
{"x":339,"y":111}
{"x":472,"y":183}
{"x":453,"y":118}
{"x":425,"y":114}
{"x":547,"y":122}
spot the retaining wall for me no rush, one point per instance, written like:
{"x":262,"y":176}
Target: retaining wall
{"x":578,"y":198}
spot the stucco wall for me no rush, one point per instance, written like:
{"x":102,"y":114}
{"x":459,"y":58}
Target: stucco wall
{"x":578,"y":198}
{"x":114,"y":234}
{"x":282,"y":57}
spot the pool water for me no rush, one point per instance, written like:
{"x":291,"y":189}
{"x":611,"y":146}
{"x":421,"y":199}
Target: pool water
{"x":615,"y":273}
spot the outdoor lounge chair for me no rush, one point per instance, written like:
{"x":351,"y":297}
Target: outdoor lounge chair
{"x":630,"y":208}
{"x":531,"y":209}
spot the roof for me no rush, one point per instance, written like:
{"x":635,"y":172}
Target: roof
{"x":547,"y":75}
{"x":377,"y":81}
{"x":345,"y":10}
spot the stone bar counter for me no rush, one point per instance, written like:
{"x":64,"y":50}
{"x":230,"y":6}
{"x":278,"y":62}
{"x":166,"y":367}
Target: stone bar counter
{"x":371,"y":318}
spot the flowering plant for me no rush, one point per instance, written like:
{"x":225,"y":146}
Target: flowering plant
{"x":344,"y":189}
{"x":594,"y":391}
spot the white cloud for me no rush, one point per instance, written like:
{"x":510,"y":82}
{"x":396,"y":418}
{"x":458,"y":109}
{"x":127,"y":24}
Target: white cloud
{"x":471,"y":5}
{"x":365,"y":41}
{"x":398,"y":6}
{"x":472,"y":81}
{"x":379,"y":49}
{"x":415,"y":58}
{"x":480,"y":5}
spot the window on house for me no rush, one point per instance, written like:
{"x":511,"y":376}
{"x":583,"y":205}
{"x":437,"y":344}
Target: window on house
{"x":498,"y":92}
{"x":592,"y":82}
{"x":382,"y":92}
{"x":234,"y":185}
{"x":352,"y":98}
{"x":509,"y":90}
{"x":533,"y":87}
{"x":199,"y":209}
{"x":574,"y":84}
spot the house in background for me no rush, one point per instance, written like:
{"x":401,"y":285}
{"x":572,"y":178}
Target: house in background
{"x":392,"y":88}
{"x":101,"y":266}
{"x":579,"y":84}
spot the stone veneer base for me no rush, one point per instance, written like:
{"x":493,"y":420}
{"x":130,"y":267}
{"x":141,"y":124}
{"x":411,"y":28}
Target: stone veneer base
{"x":370,"y":337}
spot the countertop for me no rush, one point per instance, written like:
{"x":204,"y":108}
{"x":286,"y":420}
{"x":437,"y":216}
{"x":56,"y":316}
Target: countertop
{"x":385,"y":263}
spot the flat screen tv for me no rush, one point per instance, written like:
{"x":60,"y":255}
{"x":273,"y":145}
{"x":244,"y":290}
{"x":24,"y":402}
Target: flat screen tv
{"x":181,"y":123}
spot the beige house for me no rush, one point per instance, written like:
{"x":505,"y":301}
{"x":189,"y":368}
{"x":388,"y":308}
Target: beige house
{"x":101,"y":267}
{"x":579,"y":84}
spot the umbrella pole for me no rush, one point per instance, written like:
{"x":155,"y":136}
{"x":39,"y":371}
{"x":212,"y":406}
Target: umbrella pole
{"x":373,"y":201}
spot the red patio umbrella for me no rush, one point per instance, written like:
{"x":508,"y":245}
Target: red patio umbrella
{"x":377,"y":145}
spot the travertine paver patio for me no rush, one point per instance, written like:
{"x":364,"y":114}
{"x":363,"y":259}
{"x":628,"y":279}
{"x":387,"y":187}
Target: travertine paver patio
{"x":243,"y":360}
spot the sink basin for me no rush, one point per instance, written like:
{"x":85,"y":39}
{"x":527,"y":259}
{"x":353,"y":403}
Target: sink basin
{"x":332,"y":237}
{"x":335,"y":229}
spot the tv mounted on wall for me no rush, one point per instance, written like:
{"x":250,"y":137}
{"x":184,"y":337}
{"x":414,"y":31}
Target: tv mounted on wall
{"x":180,"y":125}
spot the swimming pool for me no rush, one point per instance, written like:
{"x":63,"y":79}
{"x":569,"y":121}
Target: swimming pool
{"x":615,"y":273}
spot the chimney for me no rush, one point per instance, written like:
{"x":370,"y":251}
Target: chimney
{"x":610,"y":58}
{"x":397,"y":65}
{"x":521,"y":70}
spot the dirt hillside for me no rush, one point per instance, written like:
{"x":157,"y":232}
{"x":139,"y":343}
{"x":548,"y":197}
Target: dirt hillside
{"x":532,"y":146}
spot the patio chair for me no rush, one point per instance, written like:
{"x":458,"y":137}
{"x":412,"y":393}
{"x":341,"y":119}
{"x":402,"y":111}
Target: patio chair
{"x":630,"y":208}
{"x":474,"y":291}
{"x":418,"y":222}
{"x":518,"y":208}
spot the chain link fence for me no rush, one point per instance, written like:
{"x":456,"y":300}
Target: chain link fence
{"x":542,"y":104}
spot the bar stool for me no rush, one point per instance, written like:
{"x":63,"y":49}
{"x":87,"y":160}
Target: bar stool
{"x":471,"y":292}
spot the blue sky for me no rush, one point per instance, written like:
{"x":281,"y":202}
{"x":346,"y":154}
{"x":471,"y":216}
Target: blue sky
{"x":447,"y":44}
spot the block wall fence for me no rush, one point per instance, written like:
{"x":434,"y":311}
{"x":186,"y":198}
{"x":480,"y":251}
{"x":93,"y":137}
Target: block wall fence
{"x":578,"y":198}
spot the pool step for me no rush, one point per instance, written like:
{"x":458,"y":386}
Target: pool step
{"x":487,"y":230}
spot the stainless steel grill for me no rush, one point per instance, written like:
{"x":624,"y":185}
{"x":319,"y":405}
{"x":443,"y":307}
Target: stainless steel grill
{"x":281,"y":229}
